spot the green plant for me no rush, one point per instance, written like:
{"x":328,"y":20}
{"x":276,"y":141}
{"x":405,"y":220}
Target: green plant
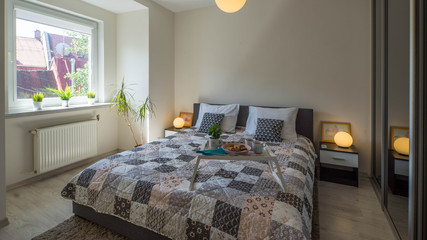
{"x":215,"y":131}
{"x":91,"y":95}
{"x":143,"y":112}
{"x":63,"y":94}
{"x":79,"y":78}
{"x":121,"y":102}
{"x":38,"y":97}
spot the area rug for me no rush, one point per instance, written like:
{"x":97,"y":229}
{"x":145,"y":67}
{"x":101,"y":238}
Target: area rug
{"x":78,"y":228}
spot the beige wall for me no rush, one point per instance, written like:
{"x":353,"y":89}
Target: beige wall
{"x":2,"y":105}
{"x":133,"y":66}
{"x":19,"y":145}
{"x":19,"y":153}
{"x":161,"y":67}
{"x":398,"y":60}
{"x":308,"y":54}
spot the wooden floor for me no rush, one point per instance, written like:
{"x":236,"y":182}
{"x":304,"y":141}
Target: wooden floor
{"x":351,"y":213}
{"x":345,"y":212}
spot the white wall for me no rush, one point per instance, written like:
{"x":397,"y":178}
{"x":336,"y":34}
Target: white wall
{"x":19,"y":146}
{"x":133,"y":66}
{"x":161,"y":67}
{"x":2,"y":107}
{"x":308,"y":54}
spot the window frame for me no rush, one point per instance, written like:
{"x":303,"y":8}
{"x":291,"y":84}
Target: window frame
{"x":11,"y":85}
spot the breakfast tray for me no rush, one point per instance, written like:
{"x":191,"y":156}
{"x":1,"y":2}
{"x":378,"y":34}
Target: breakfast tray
{"x":267,"y":155}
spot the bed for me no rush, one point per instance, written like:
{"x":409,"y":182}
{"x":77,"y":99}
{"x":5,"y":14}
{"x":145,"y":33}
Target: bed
{"x":144,"y":193}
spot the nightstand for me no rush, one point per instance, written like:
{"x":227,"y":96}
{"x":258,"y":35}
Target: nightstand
{"x":339,"y":165}
{"x":172,"y":130}
{"x":398,"y":172}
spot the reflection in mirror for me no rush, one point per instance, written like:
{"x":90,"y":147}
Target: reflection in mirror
{"x":377,"y":94}
{"x":398,"y":114}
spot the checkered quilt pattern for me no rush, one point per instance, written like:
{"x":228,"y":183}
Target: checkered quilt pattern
{"x":149,"y":186}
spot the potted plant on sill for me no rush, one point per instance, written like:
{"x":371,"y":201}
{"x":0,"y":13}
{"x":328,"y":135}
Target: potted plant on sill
{"x":91,"y":98}
{"x":38,"y":101}
{"x":65,"y":95}
{"x":215,"y":133}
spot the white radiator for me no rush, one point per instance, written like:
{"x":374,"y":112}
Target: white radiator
{"x":58,"y":146}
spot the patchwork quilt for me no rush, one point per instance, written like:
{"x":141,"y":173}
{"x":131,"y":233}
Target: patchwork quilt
{"x":149,"y":186}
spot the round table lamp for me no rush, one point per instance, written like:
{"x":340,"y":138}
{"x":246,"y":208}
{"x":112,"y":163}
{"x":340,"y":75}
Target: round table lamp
{"x":343,"y":139}
{"x":230,"y":6}
{"x":178,"y":122}
{"x":401,"y":145}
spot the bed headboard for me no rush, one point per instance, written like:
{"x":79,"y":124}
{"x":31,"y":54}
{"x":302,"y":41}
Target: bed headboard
{"x":304,"y":122}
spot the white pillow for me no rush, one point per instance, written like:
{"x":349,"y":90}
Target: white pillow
{"x":230,"y":115}
{"x":288,"y":115}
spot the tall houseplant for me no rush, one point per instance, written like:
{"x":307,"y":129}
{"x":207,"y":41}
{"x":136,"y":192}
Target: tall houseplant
{"x":122,"y":103}
{"x":143,"y":111}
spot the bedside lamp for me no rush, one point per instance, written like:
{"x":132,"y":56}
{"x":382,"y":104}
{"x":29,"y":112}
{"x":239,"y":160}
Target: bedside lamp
{"x":178,"y":122}
{"x":401,"y":145}
{"x":343,"y":139}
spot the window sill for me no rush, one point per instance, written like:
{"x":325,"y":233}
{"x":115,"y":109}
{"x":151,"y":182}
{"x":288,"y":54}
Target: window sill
{"x":17,"y":113}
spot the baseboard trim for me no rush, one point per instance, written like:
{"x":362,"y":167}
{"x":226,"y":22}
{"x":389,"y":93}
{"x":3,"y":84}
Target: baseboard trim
{"x":4,"y":222}
{"x":59,"y":170}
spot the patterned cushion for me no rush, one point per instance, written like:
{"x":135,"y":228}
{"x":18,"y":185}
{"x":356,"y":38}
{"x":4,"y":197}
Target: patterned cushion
{"x":269,"y":130}
{"x":209,"y":119}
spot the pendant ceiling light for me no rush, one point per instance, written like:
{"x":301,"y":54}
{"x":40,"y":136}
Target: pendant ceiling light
{"x":230,"y":6}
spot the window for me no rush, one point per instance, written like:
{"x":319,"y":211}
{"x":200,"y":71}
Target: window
{"x":49,"y":49}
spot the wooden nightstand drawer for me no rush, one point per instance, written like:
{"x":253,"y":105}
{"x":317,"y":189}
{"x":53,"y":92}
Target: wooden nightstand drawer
{"x":339,"y":158}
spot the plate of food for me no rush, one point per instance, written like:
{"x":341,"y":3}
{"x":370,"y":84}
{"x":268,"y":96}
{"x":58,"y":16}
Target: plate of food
{"x":236,"y":148}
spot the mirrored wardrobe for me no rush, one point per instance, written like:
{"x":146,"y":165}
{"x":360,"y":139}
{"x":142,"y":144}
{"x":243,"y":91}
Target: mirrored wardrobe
{"x":399,"y":171}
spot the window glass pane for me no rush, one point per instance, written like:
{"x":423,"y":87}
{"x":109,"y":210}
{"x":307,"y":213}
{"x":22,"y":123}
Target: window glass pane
{"x":50,"y":57}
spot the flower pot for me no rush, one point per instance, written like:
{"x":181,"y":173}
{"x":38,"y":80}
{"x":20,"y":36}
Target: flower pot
{"x":65,"y":103}
{"x":214,"y":143}
{"x":91,"y":101}
{"x":37,"y":106}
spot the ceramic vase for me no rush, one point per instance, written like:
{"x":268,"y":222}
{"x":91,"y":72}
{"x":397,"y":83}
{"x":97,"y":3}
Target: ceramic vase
{"x":37,"y":106}
{"x":214,"y":143}
{"x":65,"y":103}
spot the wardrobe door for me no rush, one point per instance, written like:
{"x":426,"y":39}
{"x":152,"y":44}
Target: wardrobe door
{"x":376,"y":88}
{"x":398,"y":114}
{"x":417,"y":183}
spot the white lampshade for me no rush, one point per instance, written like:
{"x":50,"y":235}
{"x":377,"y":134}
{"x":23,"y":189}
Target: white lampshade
{"x":230,"y":6}
{"x":178,"y":122}
{"x":401,"y":145}
{"x":343,"y":139}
